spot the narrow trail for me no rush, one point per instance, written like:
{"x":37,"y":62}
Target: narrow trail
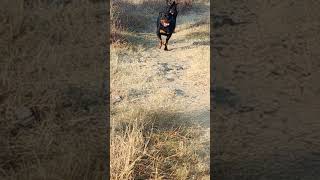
{"x":184,"y":69}
{"x":185,"y":51}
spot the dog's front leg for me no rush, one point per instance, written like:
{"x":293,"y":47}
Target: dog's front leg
{"x":167,"y":40}
{"x":160,"y":44}
{"x":159,"y":36}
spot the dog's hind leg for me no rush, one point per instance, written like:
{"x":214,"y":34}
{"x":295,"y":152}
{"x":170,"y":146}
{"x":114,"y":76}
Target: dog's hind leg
{"x":165,"y":45}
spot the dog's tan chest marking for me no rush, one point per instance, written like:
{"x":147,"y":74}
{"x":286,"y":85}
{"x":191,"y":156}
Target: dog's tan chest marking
{"x":162,"y":31}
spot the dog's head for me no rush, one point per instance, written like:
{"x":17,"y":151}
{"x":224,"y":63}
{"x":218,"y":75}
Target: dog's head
{"x":165,"y":19}
{"x":172,"y":8}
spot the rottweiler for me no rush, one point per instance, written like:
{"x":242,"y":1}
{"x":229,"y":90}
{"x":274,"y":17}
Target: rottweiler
{"x":166,"y":23}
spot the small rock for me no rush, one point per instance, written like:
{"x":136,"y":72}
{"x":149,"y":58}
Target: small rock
{"x":117,"y":99}
{"x":169,"y":77}
{"x":179,"y":92}
{"x":179,"y":67}
{"x":26,"y":116}
{"x":165,"y":67}
{"x":142,"y":60}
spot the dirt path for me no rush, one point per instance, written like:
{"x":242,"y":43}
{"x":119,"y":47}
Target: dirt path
{"x":178,"y":67}
{"x":184,"y":70}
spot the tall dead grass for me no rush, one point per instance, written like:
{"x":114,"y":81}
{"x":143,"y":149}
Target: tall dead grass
{"x":51,"y":62}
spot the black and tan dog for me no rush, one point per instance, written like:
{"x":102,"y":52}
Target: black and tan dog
{"x":166,"y":23}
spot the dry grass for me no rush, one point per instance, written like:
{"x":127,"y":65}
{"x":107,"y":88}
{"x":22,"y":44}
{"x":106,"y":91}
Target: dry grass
{"x":136,"y":15}
{"x":152,"y":137}
{"x":51,"y":62}
{"x":154,"y":143}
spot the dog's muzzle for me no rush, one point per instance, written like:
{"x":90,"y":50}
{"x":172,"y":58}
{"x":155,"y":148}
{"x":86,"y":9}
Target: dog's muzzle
{"x":166,"y":24}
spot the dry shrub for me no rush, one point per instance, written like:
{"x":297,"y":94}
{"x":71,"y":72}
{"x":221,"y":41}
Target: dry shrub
{"x":127,"y":148}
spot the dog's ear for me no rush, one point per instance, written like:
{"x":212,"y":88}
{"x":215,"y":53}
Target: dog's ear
{"x":174,"y":4}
